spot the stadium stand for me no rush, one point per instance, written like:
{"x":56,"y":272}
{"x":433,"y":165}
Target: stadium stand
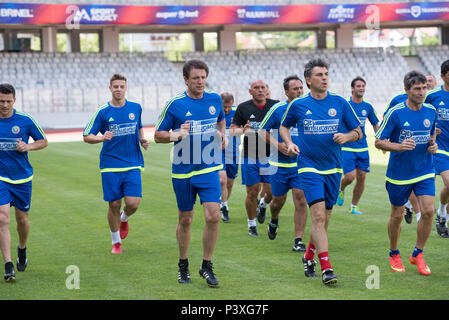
{"x":74,"y":82}
{"x":432,"y":57}
{"x":242,"y":67}
{"x":77,"y":82}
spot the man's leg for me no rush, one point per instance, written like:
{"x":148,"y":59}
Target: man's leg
{"x":251,"y":204}
{"x":23,"y":229}
{"x":5,"y":236}
{"x":114,"y":224}
{"x":442,"y":219}
{"x":185,"y":219}
{"x":223,"y":185}
{"x":211,"y":228}
{"x":275,"y":208}
{"x":229,"y":185}
{"x":300,"y":216}
{"x":425,"y":223}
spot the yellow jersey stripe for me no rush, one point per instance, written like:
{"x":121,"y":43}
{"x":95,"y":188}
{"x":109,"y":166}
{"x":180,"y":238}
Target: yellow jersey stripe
{"x":121,"y":169}
{"x":195,"y":173}
{"x":330,"y":171}
{"x":410,"y":181}
{"x":4,"y":179}
{"x":354,"y":149}
{"x":167,"y":105}
{"x":283,"y":165}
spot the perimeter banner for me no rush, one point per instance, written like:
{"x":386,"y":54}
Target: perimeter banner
{"x":22,"y":13}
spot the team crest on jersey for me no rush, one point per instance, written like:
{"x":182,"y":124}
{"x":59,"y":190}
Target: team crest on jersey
{"x":364,"y":112}
{"x":15,"y":129}
{"x":212,"y":110}
{"x":332,"y":112}
{"x":426,"y":123}
{"x":131,"y":116}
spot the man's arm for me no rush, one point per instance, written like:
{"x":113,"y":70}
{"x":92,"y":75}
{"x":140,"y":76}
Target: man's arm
{"x":36,"y":145}
{"x":143,"y":142}
{"x":386,"y":145}
{"x":92,"y":139}
{"x":292,"y":149}
{"x":161,"y":136}
{"x":353,"y":135}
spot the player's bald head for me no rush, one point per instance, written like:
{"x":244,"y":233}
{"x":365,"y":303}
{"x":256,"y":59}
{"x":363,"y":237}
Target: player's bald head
{"x":258,"y":83}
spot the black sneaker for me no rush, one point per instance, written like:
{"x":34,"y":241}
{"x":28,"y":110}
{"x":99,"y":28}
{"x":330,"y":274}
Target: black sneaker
{"x":9,"y":272}
{"x":252,"y":231}
{"x":183,"y":272}
{"x":408,"y":215}
{"x":441,"y":227}
{"x":224,"y":214}
{"x":260,"y":213}
{"x":309,"y":267}
{"x":299,"y":246}
{"x":208,"y":274}
{"x":328,"y":276}
{"x":22,"y":260}
{"x":272,"y":230}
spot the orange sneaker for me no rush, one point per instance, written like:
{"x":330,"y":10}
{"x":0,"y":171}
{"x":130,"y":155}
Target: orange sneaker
{"x":396,"y":263}
{"x":421,"y":264}
{"x":117,"y":248}
{"x":124,"y":229}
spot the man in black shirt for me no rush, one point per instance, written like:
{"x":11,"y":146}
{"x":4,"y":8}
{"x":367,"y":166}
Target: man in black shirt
{"x":255,"y":167}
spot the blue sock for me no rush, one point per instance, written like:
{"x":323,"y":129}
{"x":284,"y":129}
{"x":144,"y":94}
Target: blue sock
{"x":394,"y":252}
{"x":416,"y":251}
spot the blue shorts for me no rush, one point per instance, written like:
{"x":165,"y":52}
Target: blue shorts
{"x":206,"y":186}
{"x":320,"y":187}
{"x":440,"y":162}
{"x":117,"y":185}
{"x":399,"y":194}
{"x":283,"y":180}
{"x":352,"y":160}
{"x":253,"y":171}
{"x":17,"y":195}
{"x":231,"y":170}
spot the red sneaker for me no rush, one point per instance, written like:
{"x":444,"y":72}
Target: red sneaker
{"x":421,"y":264}
{"x":117,"y":248}
{"x":396,"y":263}
{"x":124,"y":228}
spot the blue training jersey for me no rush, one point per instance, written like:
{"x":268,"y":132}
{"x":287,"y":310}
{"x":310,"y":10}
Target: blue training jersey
{"x":272,"y":122}
{"x":401,"y":123}
{"x":230,"y":156}
{"x":364,"y":111}
{"x":14,"y":165}
{"x":200,"y":152}
{"x":122,"y":152}
{"x":317,"y":122}
{"x":439,"y":98}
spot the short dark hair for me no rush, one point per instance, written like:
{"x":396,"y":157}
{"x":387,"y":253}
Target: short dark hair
{"x":227,"y":97}
{"x":358,"y":78}
{"x":6,"y":88}
{"x":445,"y":67}
{"x":413,"y":77}
{"x":308,"y":68}
{"x":117,"y":76}
{"x":194,"y":64}
{"x":286,"y":82}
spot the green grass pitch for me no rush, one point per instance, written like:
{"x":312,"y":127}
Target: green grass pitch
{"x":69,"y":228}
